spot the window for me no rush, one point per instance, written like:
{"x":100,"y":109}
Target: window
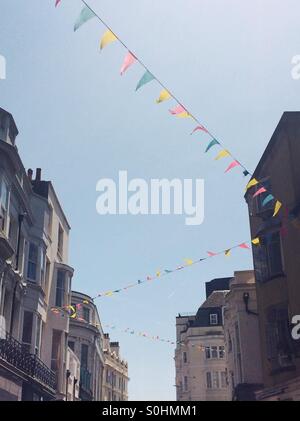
{"x":86,"y":314}
{"x":60,"y":288}
{"x":60,"y":245}
{"x":223,"y":379}
{"x":185,"y":382}
{"x":32,"y":261}
{"x":55,"y":360}
{"x":84,"y":356}
{"x":221,"y":352}
{"x":3,"y":205}
{"x":208,"y":381}
{"x":27,"y":329}
{"x":43,"y":267}
{"x":213,"y":319}
{"x":215,"y":380}
{"x":214,"y":352}
{"x":268,"y":261}
{"x":184,"y":357}
{"x":71,"y":345}
{"x":38,"y":335}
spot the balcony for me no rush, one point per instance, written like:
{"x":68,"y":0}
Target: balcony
{"x":14,"y":353}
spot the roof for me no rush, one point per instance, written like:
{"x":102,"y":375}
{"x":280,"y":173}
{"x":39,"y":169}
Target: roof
{"x":216,"y":299}
{"x":2,"y":110}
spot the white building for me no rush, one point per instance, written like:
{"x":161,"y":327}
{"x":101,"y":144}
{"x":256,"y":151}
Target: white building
{"x":86,"y":339}
{"x":200,"y":360}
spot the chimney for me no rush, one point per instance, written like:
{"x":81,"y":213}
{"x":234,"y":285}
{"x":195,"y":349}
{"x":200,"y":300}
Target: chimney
{"x":38,"y":175}
{"x":30,"y":174}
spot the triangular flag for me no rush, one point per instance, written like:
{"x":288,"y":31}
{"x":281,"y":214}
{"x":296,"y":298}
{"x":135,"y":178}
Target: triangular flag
{"x":107,"y":38}
{"x":168,"y":271}
{"x":146,"y":78}
{"x":233,"y":165}
{"x":158,"y":273}
{"x":177,"y":110}
{"x":128,"y":61}
{"x":256,"y":241}
{"x":201,"y":128}
{"x":211,"y":144}
{"x":244,"y":246}
{"x":246,"y":173}
{"x":259,"y":192}
{"x":185,"y":114}
{"x":189,"y":262}
{"x":277,"y":208}
{"x":267,"y":200}
{"x":57,"y":2}
{"x":164,"y":96}
{"x":85,"y":15}
{"x":222,"y":154}
{"x":227,"y":253}
{"x":251,"y":183}
{"x":211,"y":253}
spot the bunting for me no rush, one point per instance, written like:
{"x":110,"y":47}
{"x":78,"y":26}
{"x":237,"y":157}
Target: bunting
{"x":146,"y":78}
{"x":211,"y":144}
{"x":57,"y":2}
{"x":107,"y":39}
{"x":222,"y":154}
{"x":164,"y":96}
{"x":128,"y":61}
{"x":85,"y":15}
{"x":232,"y":165}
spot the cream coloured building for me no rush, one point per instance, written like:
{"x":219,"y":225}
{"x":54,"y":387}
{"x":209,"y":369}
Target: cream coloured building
{"x":34,"y":277}
{"x":200,"y":359}
{"x":86,"y":339}
{"x":241,"y":326}
{"x":115,"y":380}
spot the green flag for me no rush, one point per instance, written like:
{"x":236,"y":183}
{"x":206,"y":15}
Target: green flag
{"x":146,"y":78}
{"x":212,"y":143}
{"x":85,"y":15}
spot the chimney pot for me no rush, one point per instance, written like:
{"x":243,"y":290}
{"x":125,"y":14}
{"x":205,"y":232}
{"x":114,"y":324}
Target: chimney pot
{"x":30,"y":174}
{"x":38,"y":175}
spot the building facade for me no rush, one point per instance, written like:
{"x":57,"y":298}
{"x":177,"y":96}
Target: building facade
{"x":86,"y":339}
{"x":242,"y":339}
{"x":115,"y":380}
{"x":34,"y":276}
{"x":277,"y":259}
{"x":200,"y":360}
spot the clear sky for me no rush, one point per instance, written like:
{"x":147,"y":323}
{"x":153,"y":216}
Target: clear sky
{"x":228,"y":61}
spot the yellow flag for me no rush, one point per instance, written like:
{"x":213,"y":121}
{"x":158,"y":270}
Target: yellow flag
{"x":222,"y":154}
{"x":227,"y":253}
{"x":164,"y":96}
{"x":109,"y":294}
{"x":189,"y":262}
{"x":158,"y":274}
{"x":185,"y":114}
{"x":252,"y":183}
{"x":256,"y":241}
{"x":277,"y":208}
{"x":107,"y":38}
{"x":85,"y":302}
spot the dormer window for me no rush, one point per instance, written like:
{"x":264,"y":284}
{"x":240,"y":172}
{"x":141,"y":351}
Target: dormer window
{"x":213,"y":319}
{"x":3,"y":205}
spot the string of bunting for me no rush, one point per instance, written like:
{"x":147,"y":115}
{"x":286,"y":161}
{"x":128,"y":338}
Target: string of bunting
{"x":179,"y":111}
{"x":260,"y":193}
{"x":74,"y":312}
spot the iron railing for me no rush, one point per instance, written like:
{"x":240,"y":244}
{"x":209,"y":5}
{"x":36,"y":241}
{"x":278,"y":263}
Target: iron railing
{"x":18,"y":356}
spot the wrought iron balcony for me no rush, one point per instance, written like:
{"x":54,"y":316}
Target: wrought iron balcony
{"x":14,"y":353}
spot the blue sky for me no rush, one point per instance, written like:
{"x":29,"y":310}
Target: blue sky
{"x":228,"y":62}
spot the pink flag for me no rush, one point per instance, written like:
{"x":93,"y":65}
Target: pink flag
{"x":178,"y":110}
{"x":199,"y":128}
{"x":211,"y":254}
{"x":233,"y":165}
{"x":260,"y":191}
{"x":57,"y":2}
{"x":128,"y":61}
{"x":244,"y":246}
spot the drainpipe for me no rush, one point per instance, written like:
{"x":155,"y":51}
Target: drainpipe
{"x":246,"y":298}
{"x":20,"y":220}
